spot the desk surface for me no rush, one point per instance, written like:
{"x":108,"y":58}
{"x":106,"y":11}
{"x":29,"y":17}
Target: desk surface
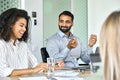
{"x":81,"y":75}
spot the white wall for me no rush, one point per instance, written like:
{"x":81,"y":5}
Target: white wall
{"x":36,"y":31}
{"x":98,"y":10}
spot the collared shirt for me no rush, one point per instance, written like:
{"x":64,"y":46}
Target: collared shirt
{"x":16,"y":56}
{"x":57,"y":48}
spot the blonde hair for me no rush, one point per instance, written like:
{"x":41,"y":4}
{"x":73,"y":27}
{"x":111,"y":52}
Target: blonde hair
{"x":110,"y":46}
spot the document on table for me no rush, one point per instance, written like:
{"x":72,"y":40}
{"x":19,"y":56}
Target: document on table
{"x":54,"y":78}
{"x":66,"y":73}
{"x":33,"y":78}
{"x":59,"y":75}
{"x":67,"y":78}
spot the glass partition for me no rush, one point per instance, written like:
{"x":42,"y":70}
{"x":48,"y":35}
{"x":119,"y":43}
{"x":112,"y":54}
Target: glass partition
{"x":51,"y":10}
{"x":6,"y":4}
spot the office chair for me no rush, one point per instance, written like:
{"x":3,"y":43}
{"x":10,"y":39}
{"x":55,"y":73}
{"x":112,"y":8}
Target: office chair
{"x":44,"y":54}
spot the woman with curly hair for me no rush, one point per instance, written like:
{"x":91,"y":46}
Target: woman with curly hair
{"x":15,"y":56}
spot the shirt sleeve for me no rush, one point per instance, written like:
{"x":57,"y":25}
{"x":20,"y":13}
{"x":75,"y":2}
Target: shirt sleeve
{"x":54,"y":52}
{"x":32,"y":59}
{"x":4,"y":69}
{"x":85,"y":54}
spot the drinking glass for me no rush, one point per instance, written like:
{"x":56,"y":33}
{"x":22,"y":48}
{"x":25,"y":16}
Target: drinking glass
{"x":51,"y":65}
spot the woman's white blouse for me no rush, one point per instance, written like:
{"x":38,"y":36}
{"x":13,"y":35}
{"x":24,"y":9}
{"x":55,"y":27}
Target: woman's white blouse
{"x":16,"y":56}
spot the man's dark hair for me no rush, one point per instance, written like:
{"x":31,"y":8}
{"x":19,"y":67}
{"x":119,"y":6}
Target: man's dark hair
{"x":9,"y":18}
{"x":67,"y":13}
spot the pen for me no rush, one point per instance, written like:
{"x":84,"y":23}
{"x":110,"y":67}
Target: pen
{"x":56,"y":63}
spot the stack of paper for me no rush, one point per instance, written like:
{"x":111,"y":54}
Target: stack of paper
{"x":33,"y":78}
{"x":68,"y":78}
{"x":66,"y":73}
{"x":55,"y":78}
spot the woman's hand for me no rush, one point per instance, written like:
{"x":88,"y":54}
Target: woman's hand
{"x":41,"y":66}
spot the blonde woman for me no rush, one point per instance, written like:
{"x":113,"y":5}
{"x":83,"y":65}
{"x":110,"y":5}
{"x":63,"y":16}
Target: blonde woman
{"x":110,"y":46}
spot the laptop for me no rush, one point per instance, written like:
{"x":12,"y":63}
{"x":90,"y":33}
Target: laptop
{"x":95,"y":60}
{"x":97,"y":51}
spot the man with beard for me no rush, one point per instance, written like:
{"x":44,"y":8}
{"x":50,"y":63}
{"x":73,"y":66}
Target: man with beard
{"x":64,"y":46}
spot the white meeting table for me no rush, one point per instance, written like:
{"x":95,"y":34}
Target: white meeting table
{"x":82,"y":74}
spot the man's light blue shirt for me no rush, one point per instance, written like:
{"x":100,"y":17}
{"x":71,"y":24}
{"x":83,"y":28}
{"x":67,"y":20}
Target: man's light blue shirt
{"x":57,"y":48}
